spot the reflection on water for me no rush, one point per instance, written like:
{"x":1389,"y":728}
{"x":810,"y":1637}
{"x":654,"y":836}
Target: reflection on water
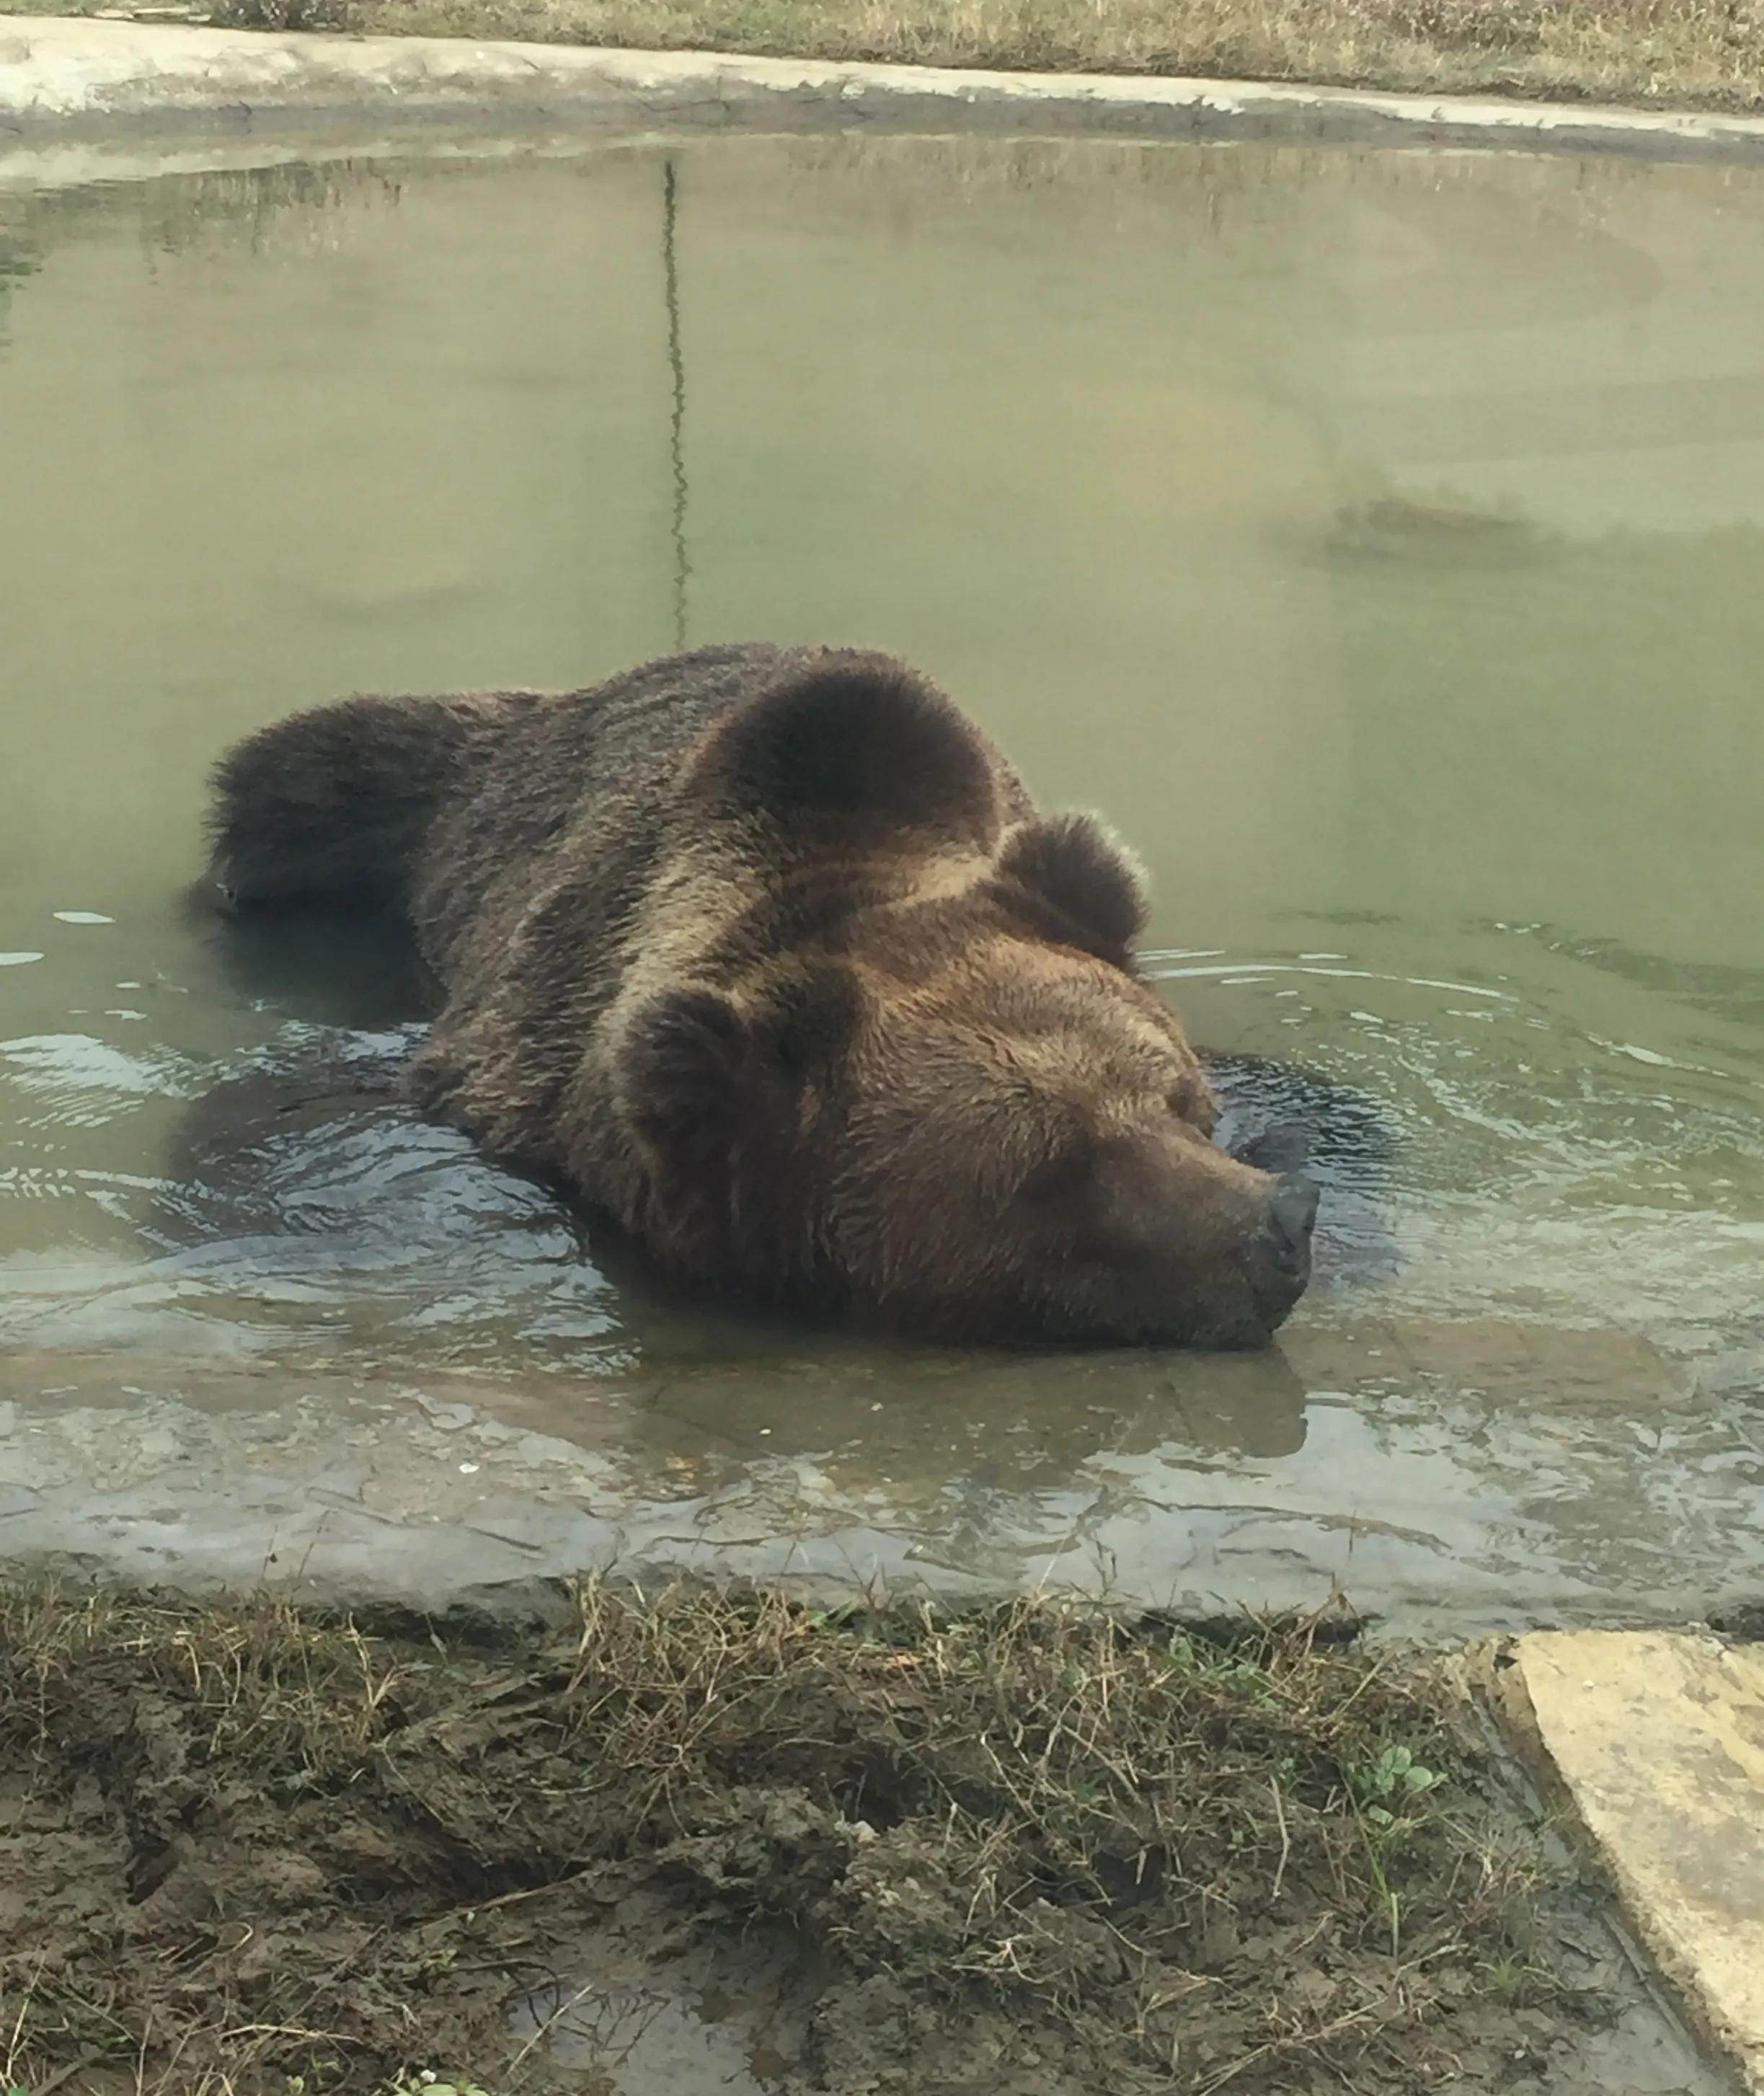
{"x":1375,"y":540}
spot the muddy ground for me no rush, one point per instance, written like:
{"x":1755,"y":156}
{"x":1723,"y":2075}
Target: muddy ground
{"x":700,"y":1842}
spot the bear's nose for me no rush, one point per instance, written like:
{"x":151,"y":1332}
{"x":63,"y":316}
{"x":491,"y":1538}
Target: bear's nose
{"x":1291,"y":1216}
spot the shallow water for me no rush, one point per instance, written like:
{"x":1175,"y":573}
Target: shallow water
{"x":1377,"y":540}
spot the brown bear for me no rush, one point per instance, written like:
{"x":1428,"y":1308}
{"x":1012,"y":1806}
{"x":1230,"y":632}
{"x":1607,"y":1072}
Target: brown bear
{"x":766,"y":953}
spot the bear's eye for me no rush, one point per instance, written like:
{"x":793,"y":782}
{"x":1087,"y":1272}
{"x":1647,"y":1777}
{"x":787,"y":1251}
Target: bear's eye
{"x":1061,"y":1178}
{"x":1190,"y":1102}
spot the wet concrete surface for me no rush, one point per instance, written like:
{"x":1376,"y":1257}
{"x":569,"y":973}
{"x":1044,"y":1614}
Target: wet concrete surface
{"x":423,"y":1491}
{"x":1251,"y":1492}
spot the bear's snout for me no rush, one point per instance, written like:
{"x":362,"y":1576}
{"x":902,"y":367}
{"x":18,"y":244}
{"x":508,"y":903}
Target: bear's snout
{"x":1280,"y":1256}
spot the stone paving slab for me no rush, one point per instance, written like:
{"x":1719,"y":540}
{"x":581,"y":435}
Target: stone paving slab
{"x":59,"y":76}
{"x":1656,"y":1739}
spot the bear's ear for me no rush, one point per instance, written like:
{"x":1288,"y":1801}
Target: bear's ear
{"x":1072,"y":865}
{"x":817,"y":1012}
{"x":718,"y":1098}
{"x":688,"y":1061}
{"x":859,"y":740}
{"x":704,"y":1081}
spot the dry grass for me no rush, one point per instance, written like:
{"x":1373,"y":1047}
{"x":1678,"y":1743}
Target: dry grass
{"x":1707,"y":54}
{"x":264,"y":1841}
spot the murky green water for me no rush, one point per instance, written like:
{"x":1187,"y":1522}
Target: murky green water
{"x":1379,"y":541}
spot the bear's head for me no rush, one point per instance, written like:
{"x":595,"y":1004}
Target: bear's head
{"x":924,"y":1085}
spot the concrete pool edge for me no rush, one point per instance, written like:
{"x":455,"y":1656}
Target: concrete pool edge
{"x":63,"y":78}
{"x":1651,"y":1745}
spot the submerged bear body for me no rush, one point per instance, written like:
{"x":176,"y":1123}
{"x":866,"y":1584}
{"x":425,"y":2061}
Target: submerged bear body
{"x":766,"y":953}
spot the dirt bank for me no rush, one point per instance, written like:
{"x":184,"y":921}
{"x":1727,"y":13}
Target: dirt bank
{"x":1028,"y":1850}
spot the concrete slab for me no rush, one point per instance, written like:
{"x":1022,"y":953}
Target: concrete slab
{"x":60,"y":76}
{"x":1657,"y":1741}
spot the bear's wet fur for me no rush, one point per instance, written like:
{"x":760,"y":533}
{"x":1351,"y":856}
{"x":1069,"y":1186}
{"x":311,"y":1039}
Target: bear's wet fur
{"x":767,"y":954}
